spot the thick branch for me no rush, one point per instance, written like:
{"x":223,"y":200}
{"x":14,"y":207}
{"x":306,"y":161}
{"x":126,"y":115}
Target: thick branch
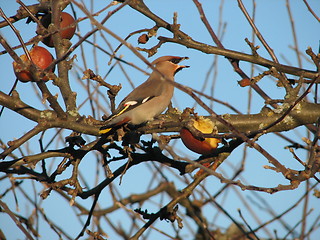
{"x":48,"y":118}
{"x":63,"y":66}
{"x":185,"y":40}
{"x":306,"y":113}
{"x":14,"y":103}
{"x":242,"y":57}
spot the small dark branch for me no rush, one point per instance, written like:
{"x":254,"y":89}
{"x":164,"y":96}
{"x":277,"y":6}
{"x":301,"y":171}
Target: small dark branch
{"x":207,"y":24}
{"x":135,"y":198}
{"x":247,"y":224}
{"x":30,"y":160}
{"x":30,"y":14}
{"x":113,"y":89}
{"x":90,"y":16}
{"x":313,"y":164}
{"x":256,"y":31}
{"x":152,"y":51}
{"x":234,"y":62}
{"x":44,"y":6}
{"x":17,"y":143}
{"x":253,"y":48}
{"x":117,"y":58}
{"x":16,"y":32}
{"x":171,"y":206}
{"x":5,"y":209}
{"x":150,"y":33}
{"x":315,"y":58}
{"x":87,"y":223}
{"x":152,"y":218}
{"x":145,"y":214}
{"x":162,"y":214}
{"x":9,"y":50}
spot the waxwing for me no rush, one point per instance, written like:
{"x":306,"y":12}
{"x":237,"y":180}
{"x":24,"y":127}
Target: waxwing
{"x":149,"y":99}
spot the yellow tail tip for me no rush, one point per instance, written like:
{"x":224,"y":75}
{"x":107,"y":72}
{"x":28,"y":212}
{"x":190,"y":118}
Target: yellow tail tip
{"x":104,"y":131}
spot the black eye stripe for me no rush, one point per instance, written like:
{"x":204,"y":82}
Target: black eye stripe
{"x":175,"y":60}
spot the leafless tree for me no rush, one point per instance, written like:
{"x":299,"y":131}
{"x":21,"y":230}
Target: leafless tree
{"x":174,"y":194}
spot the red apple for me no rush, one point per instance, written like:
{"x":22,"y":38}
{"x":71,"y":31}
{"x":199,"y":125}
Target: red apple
{"x":67,"y":27}
{"x":40,"y":56}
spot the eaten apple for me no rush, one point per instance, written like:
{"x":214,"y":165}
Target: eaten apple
{"x":206,"y":146}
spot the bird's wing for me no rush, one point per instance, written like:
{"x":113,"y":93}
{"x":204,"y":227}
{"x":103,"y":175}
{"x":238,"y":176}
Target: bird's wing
{"x":142,"y":94}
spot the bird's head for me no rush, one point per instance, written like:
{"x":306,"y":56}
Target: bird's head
{"x":169,"y":65}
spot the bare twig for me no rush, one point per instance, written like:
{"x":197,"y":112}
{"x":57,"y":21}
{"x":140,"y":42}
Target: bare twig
{"x":311,"y":10}
{"x":13,"y":217}
{"x":17,"y":34}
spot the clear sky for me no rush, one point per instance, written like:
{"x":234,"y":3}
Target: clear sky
{"x":273,"y":22}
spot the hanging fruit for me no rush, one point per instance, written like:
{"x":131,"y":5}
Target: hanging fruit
{"x":206,"y":146}
{"x":40,"y":56}
{"x":67,"y":26}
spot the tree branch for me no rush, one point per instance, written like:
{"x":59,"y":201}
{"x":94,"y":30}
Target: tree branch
{"x":187,"y":41}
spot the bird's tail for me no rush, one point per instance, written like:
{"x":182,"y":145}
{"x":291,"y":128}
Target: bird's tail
{"x":104,"y":130}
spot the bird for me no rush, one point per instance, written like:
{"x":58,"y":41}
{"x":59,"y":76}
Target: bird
{"x":149,"y":99}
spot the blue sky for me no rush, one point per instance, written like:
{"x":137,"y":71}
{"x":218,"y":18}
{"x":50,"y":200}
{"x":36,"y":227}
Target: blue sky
{"x":272,"y":21}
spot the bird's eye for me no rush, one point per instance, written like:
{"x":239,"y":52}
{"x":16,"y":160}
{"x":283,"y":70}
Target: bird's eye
{"x":175,"y":60}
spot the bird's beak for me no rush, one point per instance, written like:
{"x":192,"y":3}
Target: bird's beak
{"x":180,"y":67}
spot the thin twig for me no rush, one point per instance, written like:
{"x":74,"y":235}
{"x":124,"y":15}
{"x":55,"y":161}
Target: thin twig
{"x":16,"y":221}
{"x":16,"y":32}
{"x":264,"y":43}
{"x":234,"y":63}
{"x":311,"y":10}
